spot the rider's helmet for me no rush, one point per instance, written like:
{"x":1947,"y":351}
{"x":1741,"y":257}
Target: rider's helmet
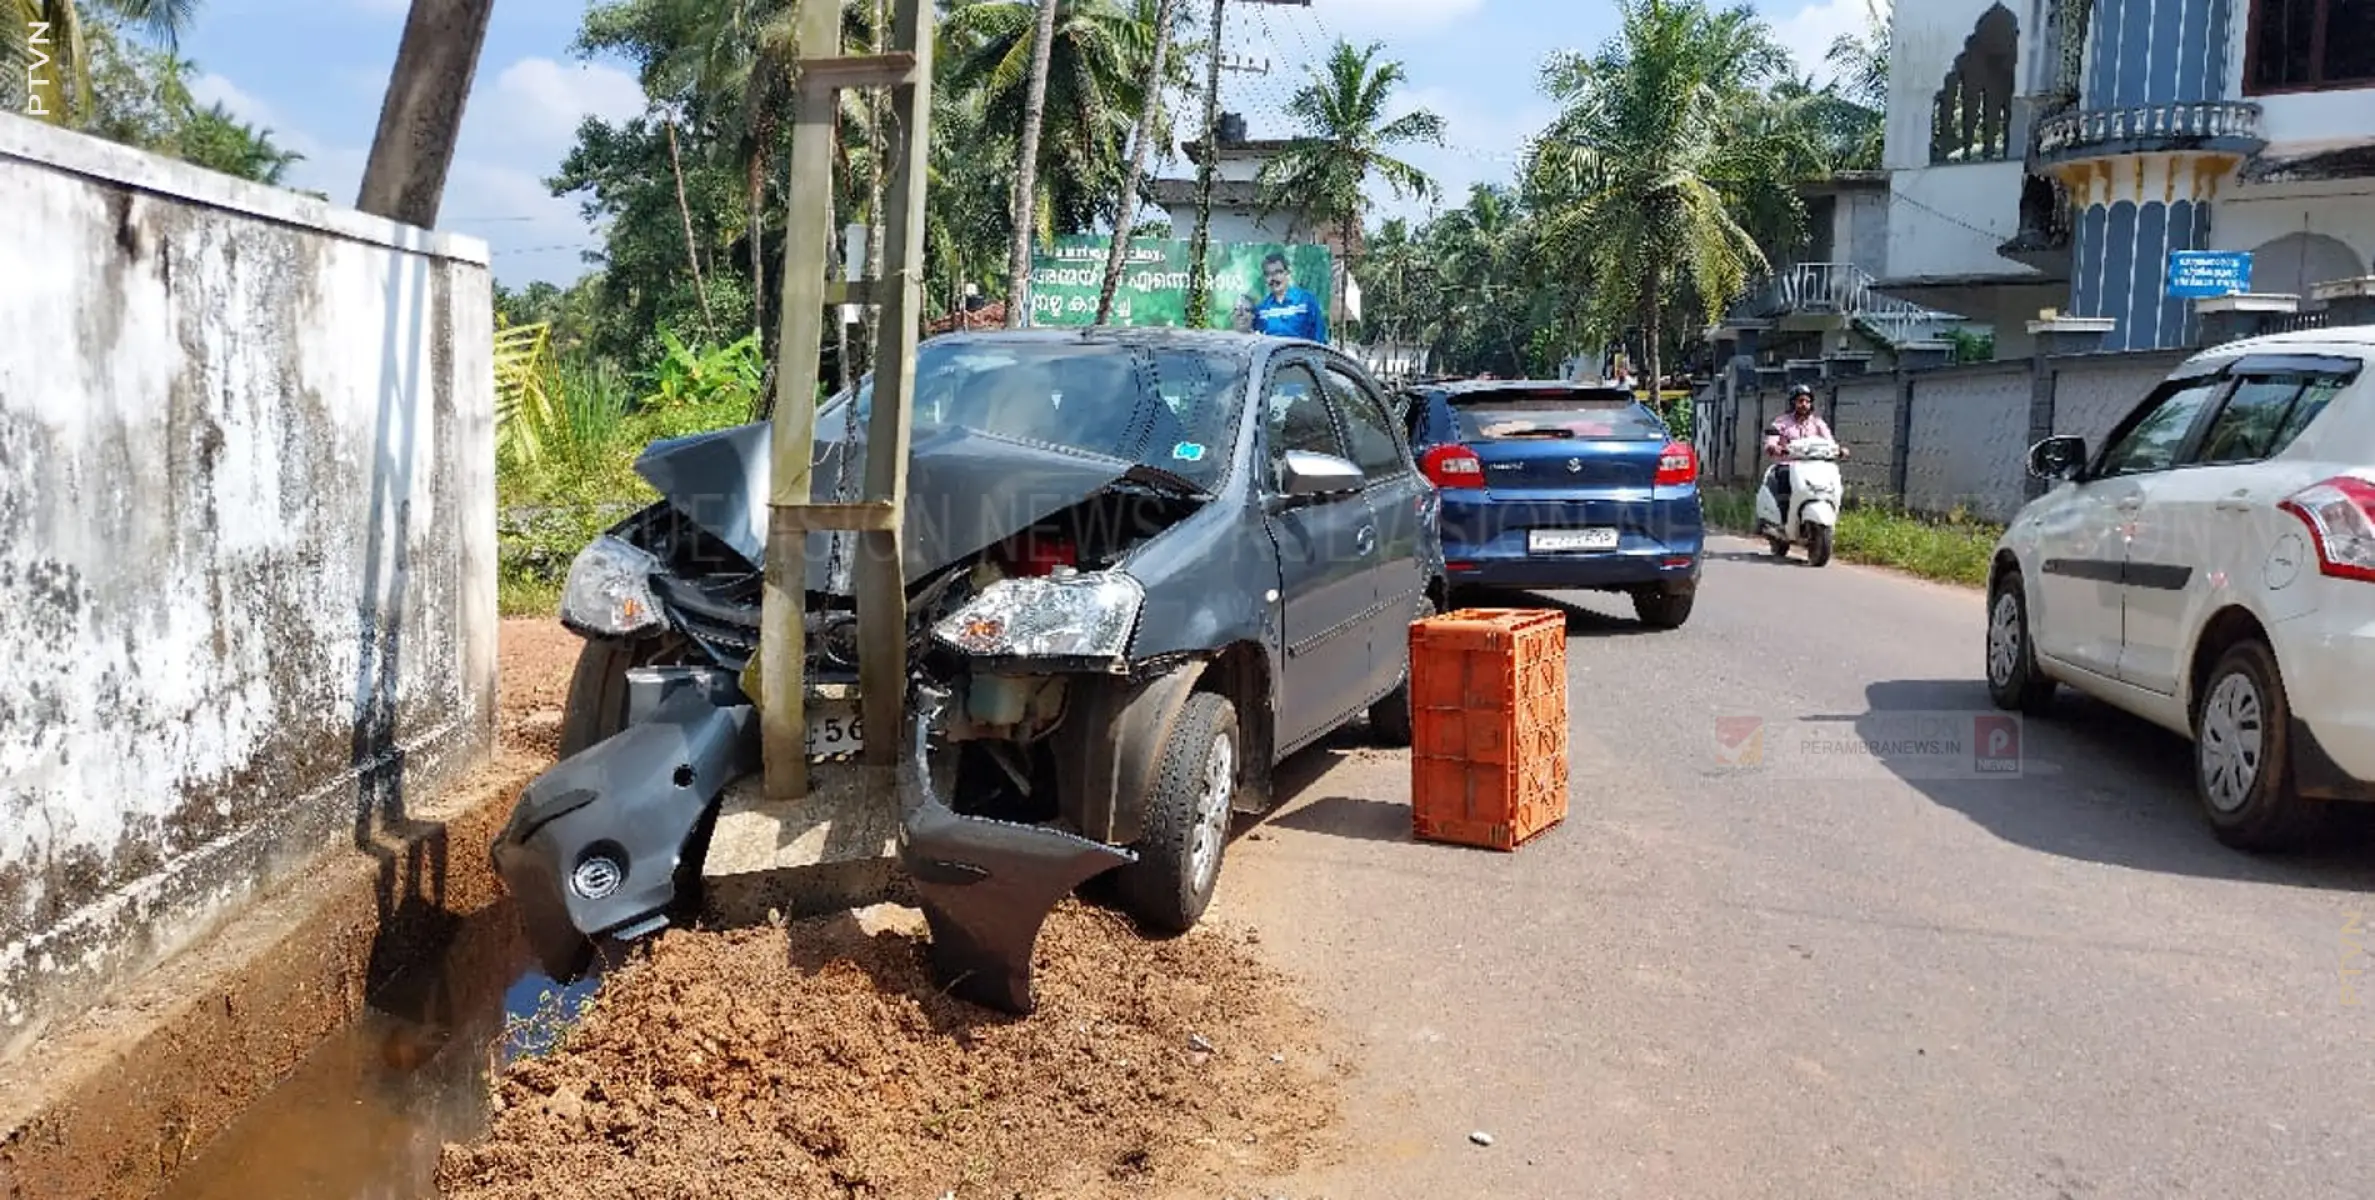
{"x":1800,"y":390}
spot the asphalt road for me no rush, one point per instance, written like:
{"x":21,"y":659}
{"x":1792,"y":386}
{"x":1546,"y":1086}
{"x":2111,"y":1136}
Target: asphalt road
{"x":1825,"y":976}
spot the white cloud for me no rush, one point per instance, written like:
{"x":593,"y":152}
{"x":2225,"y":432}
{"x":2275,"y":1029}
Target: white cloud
{"x":541,"y":101}
{"x":518,"y":126}
{"x":1809,"y":32}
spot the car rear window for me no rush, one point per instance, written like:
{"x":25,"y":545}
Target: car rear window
{"x":1561,"y":413}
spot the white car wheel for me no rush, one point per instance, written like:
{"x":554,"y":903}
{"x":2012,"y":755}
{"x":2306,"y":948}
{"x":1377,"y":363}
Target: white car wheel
{"x":2232,"y":740}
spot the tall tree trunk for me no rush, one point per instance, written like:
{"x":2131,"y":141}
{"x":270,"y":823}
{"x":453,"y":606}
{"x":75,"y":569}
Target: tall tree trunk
{"x":758,"y":242}
{"x":404,"y":180}
{"x":692,"y":250}
{"x":876,"y":114}
{"x":1026,"y":169}
{"x":1125,"y":217}
{"x":1650,"y":353}
{"x":1200,"y":246}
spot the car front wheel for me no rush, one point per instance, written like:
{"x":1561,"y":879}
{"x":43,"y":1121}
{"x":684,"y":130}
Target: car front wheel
{"x":1187,"y":818}
{"x":2013,"y":680}
{"x":2242,"y":754}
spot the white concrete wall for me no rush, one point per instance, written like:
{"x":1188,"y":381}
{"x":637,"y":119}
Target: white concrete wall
{"x":1231,"y":226}
{"x":1926,"y":36}
{"x":246,"y":544}
{"x":2247,"y":218}
{"x":1946,"y":222}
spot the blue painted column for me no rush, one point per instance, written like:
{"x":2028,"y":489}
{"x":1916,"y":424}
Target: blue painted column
{"x":2133,"y":212}
{"x":2138,"y":199}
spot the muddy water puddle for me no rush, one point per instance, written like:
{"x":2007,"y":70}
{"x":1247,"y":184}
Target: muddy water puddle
{"x":365,"y":1115}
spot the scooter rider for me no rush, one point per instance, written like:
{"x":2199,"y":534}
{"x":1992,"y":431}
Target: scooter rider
{"x":1799,"y":422}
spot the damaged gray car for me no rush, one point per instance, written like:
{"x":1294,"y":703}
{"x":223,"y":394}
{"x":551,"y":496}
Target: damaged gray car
{"x":1144,"y":567}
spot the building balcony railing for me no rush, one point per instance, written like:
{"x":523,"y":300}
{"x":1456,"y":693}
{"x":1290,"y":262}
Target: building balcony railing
{"x":1847,"y":291}
{"x":2098,"y":132}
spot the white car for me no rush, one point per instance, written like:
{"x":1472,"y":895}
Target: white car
{"x":2212,"y":570}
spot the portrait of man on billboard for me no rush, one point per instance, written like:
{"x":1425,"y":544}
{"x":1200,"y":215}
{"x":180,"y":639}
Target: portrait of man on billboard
{"x":1288,"y":310}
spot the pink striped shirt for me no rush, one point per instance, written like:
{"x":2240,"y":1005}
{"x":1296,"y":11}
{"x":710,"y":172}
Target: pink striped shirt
{"x":1787,"y":428}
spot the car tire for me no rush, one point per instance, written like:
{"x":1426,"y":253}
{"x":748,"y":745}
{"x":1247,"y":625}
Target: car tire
{"x":2243,"y":755}
{"x":1818,"y":546}
{"x":1391,"y":717}
{"x":2014,"y":681}
{"x":596,"y":707}
{"x":1186,"y":832}
{"x":1663,"y":608}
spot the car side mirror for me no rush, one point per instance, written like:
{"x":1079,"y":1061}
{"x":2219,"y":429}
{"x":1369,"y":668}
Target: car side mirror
{"x":1306,"y":474}
{"x":2058,"y":458}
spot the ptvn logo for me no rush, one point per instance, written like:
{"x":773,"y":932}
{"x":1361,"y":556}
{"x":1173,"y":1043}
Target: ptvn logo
{"x":38,"y":78}
{"x":2354,"y":957}
{"x":1995,"y":744}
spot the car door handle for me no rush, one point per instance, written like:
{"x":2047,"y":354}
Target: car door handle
{"x":2235,"y":502}
{"x":2130,"y":503}
{"x":1366,"y":540}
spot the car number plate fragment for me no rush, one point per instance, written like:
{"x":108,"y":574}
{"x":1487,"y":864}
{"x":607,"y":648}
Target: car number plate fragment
{"x":1558,"y":541}
{"x":834,"y":727}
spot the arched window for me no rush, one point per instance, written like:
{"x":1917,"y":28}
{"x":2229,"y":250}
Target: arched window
{"x":2296,"y":262}
{"x":1971,"y":120}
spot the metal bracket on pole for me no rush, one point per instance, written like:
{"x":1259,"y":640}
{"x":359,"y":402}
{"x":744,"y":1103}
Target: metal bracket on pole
{"x":879,"y":514}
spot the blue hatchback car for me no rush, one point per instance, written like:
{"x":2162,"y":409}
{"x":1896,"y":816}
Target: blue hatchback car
{"x":1555,"y":485}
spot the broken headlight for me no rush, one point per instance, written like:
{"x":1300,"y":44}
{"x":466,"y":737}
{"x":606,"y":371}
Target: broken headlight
{"x":609,"y":589}
{"x":1065,"y":615}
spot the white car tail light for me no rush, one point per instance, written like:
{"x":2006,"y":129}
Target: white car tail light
{"x":2340,"y":514}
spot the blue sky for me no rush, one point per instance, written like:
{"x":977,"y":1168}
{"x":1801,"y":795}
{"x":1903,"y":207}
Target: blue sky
{"x":314,"y":73}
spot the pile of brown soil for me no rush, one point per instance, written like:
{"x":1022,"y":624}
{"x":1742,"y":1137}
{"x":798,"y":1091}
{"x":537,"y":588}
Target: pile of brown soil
{"x":818,"y":1060}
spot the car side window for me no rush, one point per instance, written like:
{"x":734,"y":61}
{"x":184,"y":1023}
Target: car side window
{"x":2314,"y":397}
{"x":1370,"y":431}
{"x":2152,"y":442}
{"x":1297,"y":413}
{"x":2245,"y":429}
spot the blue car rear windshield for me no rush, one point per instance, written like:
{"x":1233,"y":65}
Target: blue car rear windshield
{"x":1563,"y":413}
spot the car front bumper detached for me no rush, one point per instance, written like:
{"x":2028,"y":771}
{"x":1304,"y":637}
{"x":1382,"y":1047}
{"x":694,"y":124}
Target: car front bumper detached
{"x":596,"y":846}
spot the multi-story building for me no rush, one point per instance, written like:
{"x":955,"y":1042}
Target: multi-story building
{"x":2050,"y":159}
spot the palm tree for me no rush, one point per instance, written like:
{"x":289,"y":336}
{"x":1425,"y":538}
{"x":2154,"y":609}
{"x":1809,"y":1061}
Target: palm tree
{"x":62,"y":93}
{"x":1639,"y":175}
{"x":1150,"y":126}
{"x":1026,"y":167}
{"x":1861,"y":62}
{"x":1094,"y":92}
{"x":1345,"y":138}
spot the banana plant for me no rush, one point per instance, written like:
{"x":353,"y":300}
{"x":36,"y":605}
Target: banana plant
{"x":524,"y":408}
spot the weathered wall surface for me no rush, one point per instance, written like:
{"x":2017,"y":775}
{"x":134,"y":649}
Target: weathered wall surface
{"x":1966,"y":433}
{"x":1969,"y":441}
{"x":246,"y":548}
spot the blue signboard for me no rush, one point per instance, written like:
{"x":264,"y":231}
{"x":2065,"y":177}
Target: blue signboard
{"x":2198,"y":273}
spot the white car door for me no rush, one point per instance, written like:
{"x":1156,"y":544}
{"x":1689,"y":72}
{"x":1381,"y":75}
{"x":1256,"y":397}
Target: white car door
{"x":2210,"y":523}
{"x":2083,"y":542}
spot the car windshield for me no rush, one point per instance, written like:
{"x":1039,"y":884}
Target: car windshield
{"x":1513,"y":415}
{"x":1170,"y":407}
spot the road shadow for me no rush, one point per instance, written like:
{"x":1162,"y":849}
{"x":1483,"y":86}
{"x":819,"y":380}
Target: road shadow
{"x":1350,"y":817}
{"x":1581,"y":622}
{"x":1797,"y":557}
{"x":2095,"y":784}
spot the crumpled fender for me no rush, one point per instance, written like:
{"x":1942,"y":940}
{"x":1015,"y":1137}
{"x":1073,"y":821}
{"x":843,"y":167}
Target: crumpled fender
{"x":1114,"y":734}
{"x":986,"y":886}
{"x":635,"y":800}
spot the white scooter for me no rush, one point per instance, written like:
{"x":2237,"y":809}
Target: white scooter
{"x":1815,"y":493}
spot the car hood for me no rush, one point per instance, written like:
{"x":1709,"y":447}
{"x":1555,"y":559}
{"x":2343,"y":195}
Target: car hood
{"x":965,"y":489}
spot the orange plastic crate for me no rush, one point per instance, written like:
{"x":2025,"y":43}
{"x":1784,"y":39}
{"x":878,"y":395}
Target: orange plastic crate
{"x":1488,"y":747}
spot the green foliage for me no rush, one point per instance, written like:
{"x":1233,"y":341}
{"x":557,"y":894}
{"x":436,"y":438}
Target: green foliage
{"x":112,"y":82}
{"x":1971,"y":347}
{"x":1954,"y":548}
{"x":1345,"y":138}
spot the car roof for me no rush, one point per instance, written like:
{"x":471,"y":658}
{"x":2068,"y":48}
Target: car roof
{"x":2355,"y":340}
{"x":1225,"y":340}
{"x":1465,"y":386}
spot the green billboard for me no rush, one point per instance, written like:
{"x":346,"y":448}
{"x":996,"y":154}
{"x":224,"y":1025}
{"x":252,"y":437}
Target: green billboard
{"x":1066,"y":277}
